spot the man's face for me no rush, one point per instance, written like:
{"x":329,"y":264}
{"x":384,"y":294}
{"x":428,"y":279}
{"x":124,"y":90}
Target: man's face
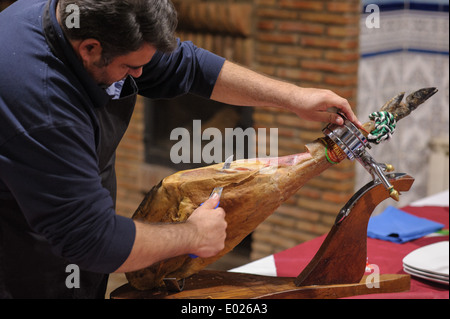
{"x":120,"y":67}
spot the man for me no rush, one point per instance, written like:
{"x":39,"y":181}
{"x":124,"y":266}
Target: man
{"x":66,"y":97}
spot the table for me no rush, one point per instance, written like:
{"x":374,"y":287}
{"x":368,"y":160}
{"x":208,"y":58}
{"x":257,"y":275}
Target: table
{"x":387,"y":256}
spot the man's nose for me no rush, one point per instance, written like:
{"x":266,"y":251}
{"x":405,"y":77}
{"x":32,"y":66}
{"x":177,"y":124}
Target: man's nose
{"x":135,"y":72}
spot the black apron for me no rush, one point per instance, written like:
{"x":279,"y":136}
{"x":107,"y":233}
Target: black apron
{"x":28,"y":268}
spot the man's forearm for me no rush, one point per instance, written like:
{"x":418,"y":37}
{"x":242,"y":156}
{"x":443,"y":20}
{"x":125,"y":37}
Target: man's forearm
{"x":237,"y":85}
{"x":154,"y":243}
{"x":203,"y":234}
{"x":240,"y":86}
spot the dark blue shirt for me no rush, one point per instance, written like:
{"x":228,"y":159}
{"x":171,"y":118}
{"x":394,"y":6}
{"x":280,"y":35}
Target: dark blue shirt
{"x":49,"y":134}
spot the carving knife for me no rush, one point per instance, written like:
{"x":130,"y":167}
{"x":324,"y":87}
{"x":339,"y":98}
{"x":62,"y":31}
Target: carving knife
{"x":218,"y":190}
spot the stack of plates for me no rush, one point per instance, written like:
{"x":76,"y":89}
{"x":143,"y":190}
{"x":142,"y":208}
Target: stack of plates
{"x":429,"y":262}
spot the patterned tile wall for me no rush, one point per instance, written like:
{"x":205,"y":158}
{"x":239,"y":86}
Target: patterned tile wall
{"x":409,"y":51}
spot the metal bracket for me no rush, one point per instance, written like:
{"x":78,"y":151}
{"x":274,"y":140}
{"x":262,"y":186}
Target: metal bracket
{"x":345,"y":211}
{"x":354,"y":144}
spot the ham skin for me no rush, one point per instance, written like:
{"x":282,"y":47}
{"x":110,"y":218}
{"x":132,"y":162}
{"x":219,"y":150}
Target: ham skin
{"x":252,"y":191}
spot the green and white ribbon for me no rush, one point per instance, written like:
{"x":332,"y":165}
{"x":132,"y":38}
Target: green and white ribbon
{"x":385,"y":124}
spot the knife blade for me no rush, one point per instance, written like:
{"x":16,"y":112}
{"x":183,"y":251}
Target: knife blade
{"x":218,"y":190}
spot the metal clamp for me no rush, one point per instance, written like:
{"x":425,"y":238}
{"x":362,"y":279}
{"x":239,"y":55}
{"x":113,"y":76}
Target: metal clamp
{"x":354,"y":144}
{"x":347,"y":137}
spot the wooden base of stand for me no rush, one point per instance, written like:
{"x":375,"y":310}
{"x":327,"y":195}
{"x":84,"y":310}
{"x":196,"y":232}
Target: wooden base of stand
{"x":336,"y":271}
{"x":342,"y":257}
{"x":226,"y":285}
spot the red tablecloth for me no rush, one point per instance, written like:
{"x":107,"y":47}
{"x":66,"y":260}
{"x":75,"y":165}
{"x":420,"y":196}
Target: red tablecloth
{"x":386,"y":255}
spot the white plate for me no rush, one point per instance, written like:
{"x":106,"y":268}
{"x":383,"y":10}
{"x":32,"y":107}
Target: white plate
{"x":431,"y":259}
{"x":423,"y":273}
{"x":420,"y":275}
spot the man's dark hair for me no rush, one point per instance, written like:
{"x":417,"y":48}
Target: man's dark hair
{"x":123,"y":26}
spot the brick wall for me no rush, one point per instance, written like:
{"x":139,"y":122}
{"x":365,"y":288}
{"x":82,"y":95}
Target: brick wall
{"x":130,"y":165}
{"x":310,"y":43}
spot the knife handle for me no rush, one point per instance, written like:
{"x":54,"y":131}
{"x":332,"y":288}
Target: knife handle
{"x":214,"y":207}
{"x":218,"y":191}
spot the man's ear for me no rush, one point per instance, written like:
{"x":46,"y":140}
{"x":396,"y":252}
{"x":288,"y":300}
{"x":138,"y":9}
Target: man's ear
{"x":90,"y":50}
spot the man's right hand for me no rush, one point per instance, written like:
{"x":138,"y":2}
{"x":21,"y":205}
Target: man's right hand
{"x":210,"y":228}
{"x":203,"y":235}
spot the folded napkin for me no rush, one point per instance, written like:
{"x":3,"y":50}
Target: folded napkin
{"x":398,"y":226}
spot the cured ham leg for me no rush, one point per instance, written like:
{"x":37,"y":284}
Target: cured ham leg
{"x":252,"y":191}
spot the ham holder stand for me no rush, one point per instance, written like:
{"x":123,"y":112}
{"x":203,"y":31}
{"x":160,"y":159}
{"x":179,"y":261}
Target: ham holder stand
{"x":338,"y":268}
